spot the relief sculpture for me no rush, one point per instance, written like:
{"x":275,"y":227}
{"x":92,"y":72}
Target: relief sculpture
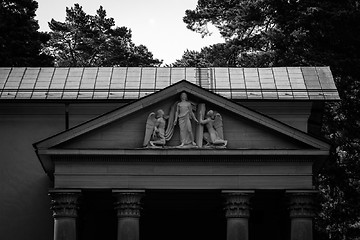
{"x":155,"y":129}
{"x":183,"y":115}
{"x":209,"y":128}
{"x":214,"y":136}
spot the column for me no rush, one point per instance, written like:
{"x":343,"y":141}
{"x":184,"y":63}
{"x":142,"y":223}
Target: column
{"x":237,"y":212}
{"x":128,"y":206}
{"x":301,"y":214}
{"x":64,"y":204}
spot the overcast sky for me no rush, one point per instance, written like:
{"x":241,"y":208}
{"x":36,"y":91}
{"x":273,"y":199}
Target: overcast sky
{"x":156,"y":24}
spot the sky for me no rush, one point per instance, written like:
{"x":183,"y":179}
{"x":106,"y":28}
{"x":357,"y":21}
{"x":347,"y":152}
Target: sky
{"x":157,"y":24}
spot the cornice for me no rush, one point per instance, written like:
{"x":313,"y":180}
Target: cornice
{"x":184,"y":152}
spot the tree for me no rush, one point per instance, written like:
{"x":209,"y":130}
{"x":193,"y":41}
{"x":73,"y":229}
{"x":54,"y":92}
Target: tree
{"x":307,"y":32}
{"x":86,"y":40}
{"x":223,"y":55}
{"x":20,"y":41}
{"x":191,"y":59}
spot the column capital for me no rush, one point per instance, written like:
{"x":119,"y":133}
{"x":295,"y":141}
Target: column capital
{"x":301,"y":204}
{"x":128,"y":202}
{"x":237,"y":203}
{"x":64,"y":202}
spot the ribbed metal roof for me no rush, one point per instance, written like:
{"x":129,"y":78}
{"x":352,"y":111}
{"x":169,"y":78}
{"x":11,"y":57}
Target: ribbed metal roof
{"x":279,"y":83}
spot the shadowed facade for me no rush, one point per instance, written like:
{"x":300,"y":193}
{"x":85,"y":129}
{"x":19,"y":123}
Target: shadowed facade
{"x":259,"y":185}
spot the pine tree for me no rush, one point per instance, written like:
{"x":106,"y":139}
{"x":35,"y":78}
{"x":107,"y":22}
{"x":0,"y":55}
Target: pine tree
{"x":86,"y":40}
{"x":20,"y":41}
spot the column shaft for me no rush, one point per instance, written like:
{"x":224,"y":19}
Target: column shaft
{"x":128,"y":228}
{"x":64,"y":229}
{"x":301,"y":229}
{"x":237,"y":228}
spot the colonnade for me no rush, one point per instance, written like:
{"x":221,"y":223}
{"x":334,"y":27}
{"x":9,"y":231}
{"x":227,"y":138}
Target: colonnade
{"x":65,"y":205}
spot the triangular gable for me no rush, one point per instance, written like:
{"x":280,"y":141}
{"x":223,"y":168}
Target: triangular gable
{"x":194,"y":90}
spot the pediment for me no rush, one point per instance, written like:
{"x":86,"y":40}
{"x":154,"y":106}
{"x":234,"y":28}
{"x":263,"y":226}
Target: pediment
{"x":125,"y":127}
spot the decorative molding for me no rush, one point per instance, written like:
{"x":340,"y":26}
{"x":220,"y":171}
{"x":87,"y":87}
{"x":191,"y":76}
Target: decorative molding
{"x":128,"y":203}
{"x":65,"y":204}
{"x":179,"y":157}
{"x":302,"y":204}
{"x":237,"y":204}
{"x":186,"y":152}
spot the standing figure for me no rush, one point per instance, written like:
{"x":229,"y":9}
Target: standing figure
{"x":155,"y":129}
{"x":214,"y":135}
{"x":184,"y":113}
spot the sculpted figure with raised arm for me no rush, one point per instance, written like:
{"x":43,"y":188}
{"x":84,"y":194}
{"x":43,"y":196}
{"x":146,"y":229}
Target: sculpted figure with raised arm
{"x":214,"y":135}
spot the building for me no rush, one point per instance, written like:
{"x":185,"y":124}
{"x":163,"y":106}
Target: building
{"x":75,"y":144}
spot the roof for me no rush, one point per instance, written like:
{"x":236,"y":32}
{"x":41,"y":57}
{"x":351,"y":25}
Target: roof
{"x":130,"y":83}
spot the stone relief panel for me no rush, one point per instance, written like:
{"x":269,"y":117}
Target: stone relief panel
{"x":155,"y":129}
{"x":193,"y":131}
{"x":214,"y":133}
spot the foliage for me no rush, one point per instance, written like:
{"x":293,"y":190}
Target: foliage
{"x":192,"y":59}
{"x":20,"y":41}
{"x":303,"y":33}
{"x":86,"y":40}
{"x":223,"y":55}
